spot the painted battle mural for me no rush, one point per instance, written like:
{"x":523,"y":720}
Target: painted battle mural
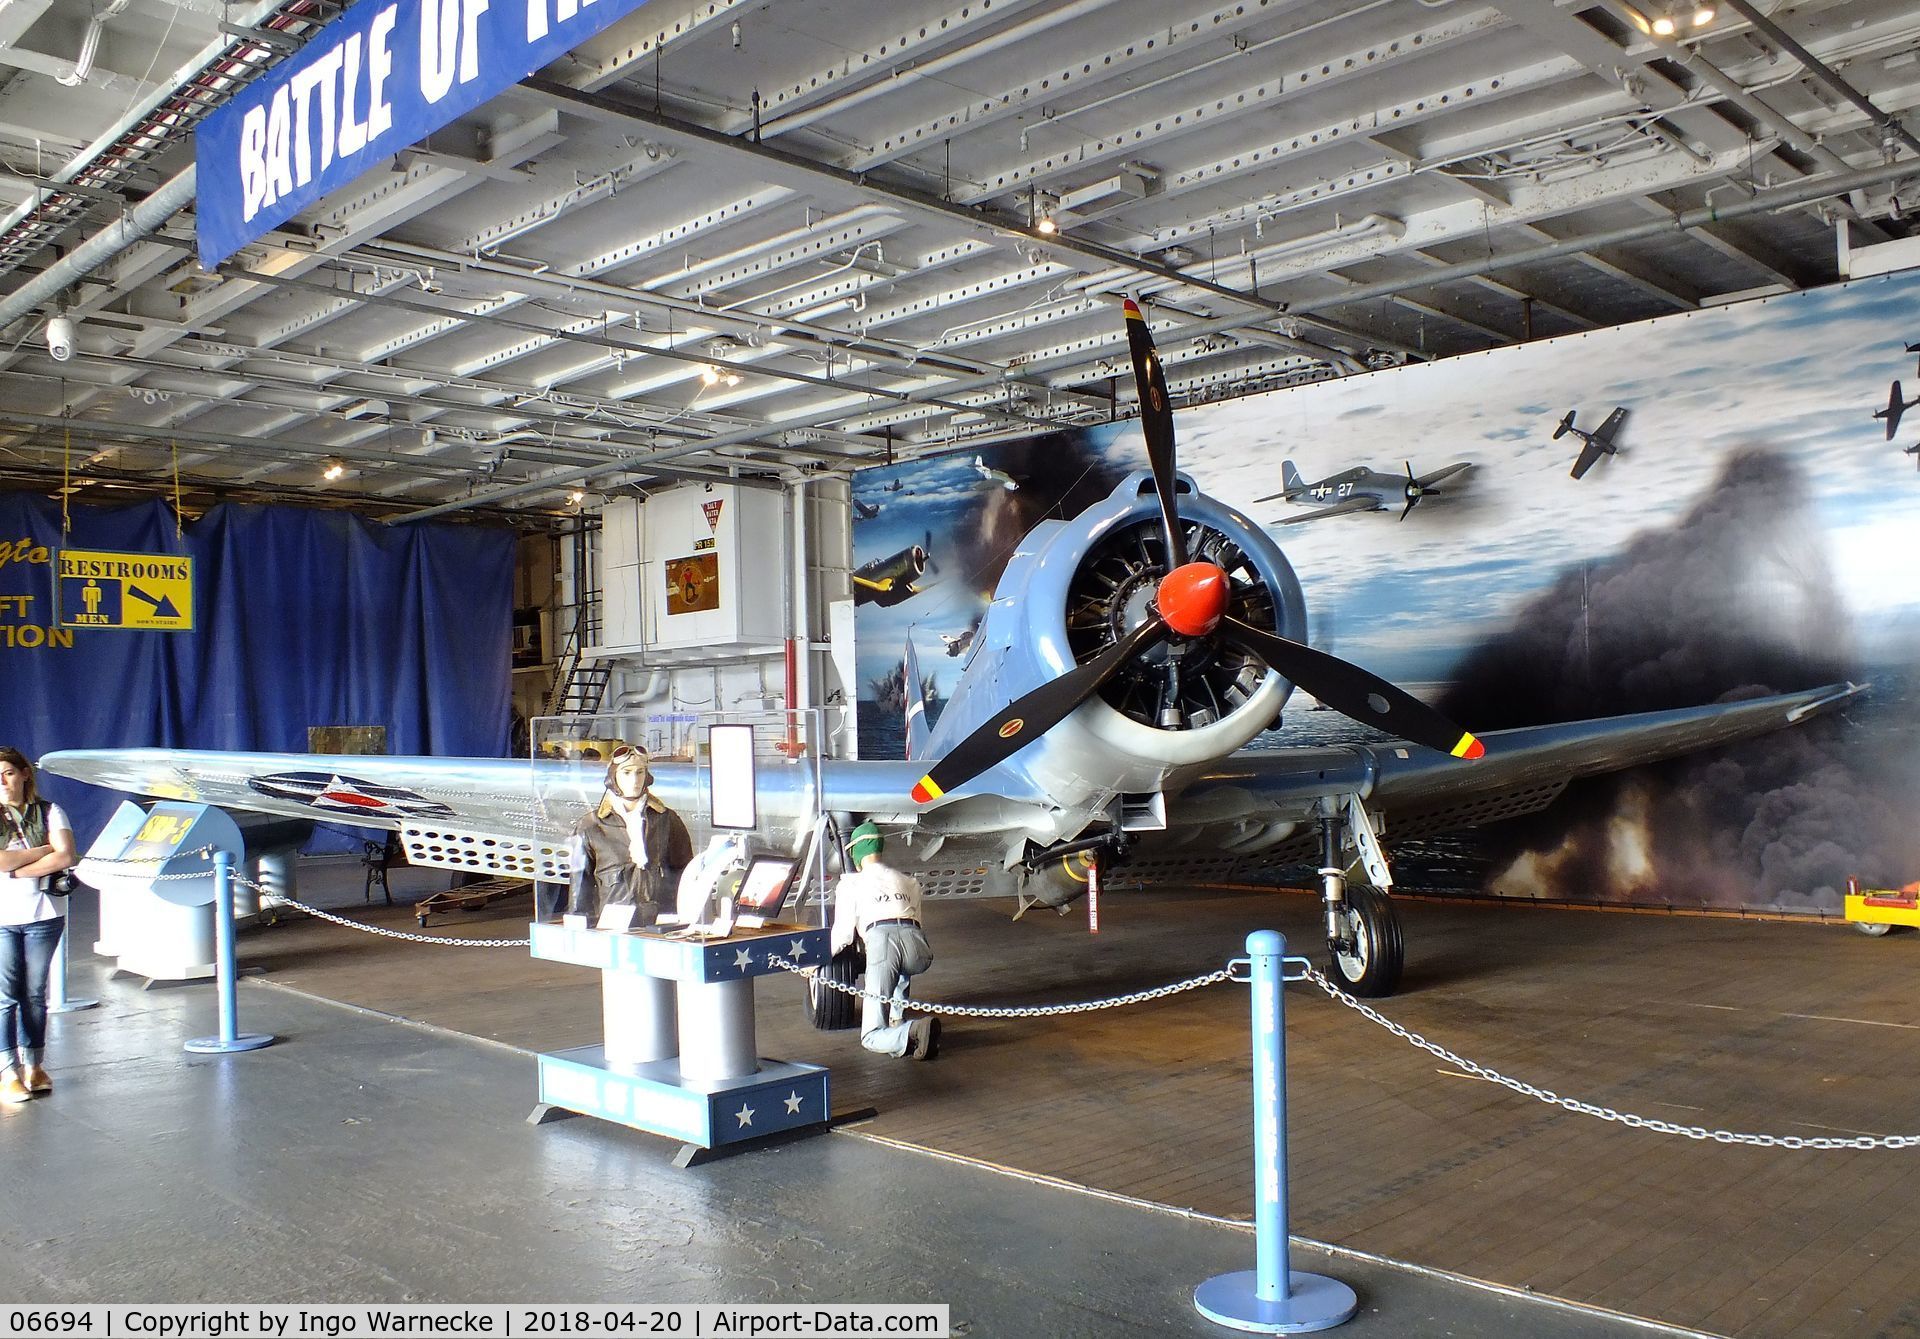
{"x":1743,"y":522}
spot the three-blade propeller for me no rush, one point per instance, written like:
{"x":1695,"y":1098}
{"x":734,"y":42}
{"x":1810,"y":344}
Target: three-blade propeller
{"x":1192,"y":602}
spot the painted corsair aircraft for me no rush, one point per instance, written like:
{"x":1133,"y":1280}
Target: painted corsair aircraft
{"x":1127,"y":658}
{"x":865,"y":511}
{"x":1595,"y":444}
{"x":1357,"y":489}
{"x":1896,"y":406}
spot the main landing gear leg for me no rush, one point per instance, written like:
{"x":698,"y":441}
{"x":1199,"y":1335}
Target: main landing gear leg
{"x":1365,"y":950}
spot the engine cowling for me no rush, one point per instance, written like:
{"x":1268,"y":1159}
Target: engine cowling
{"x":1182,"y":705}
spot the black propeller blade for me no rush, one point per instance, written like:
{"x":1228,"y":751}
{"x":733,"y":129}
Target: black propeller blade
{"x":1352,"y":691}
{"x":1413,"y":492}
{"x":1156,"y":421}
{"x":1034,"y":714}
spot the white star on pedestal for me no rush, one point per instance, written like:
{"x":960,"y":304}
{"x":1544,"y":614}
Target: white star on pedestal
{"x":745,"y":1116}
{"x":793,"y":1104}
{"x":743,"y":959}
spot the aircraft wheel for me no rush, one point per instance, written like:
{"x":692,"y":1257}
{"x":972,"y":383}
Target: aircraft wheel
{"x":831,"y":1010}
{"x":1873,"y":929}
{"x":1370,"y":967}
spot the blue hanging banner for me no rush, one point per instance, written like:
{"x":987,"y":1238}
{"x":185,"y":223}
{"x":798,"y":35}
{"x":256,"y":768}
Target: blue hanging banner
{"x":382,"y":76}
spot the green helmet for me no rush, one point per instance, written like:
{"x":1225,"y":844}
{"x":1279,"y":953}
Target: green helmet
{"x":865,"y":842}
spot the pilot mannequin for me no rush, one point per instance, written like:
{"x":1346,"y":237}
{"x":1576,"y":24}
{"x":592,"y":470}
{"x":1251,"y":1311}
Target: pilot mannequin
{"x":631,"y":848}
{"x":699,"y":898}
{"x":880,"y":906}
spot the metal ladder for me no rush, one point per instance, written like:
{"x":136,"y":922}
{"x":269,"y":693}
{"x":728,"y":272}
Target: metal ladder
{"x":579,"y":684}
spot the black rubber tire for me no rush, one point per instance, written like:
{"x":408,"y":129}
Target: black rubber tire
{"x":1373,"y":970}
{"x":832,"y":1010}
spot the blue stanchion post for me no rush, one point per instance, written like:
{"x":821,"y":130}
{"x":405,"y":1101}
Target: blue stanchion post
{"x":230,"y":1038}
{"x":1273,"y":1297}
{"x":58,"y":1001}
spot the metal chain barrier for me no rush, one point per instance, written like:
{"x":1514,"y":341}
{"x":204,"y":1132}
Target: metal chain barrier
{"x":204,"y":852}
{"x":281,"y":900}
{"x":1014,"y":1011}
{"x":1580,"y":1108}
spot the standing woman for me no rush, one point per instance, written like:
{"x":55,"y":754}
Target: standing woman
{"x":39,"y":844}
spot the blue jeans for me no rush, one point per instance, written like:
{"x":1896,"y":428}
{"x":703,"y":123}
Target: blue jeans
{"x":25,"y":952}
{"x":895,"y":955}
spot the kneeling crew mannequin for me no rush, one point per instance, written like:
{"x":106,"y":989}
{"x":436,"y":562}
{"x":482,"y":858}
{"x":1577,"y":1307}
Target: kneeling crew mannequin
{"x":630,"y":849}
{"x":881,"y":907}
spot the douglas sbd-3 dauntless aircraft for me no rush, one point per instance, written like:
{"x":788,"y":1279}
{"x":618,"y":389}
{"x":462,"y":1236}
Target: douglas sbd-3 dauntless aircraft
{"x":1128,"y":655}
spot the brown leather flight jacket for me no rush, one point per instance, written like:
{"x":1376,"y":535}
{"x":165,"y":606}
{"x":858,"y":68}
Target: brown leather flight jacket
{"x":603,"y":868}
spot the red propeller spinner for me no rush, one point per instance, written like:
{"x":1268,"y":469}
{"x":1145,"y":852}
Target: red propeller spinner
{"x":1193,"y":598}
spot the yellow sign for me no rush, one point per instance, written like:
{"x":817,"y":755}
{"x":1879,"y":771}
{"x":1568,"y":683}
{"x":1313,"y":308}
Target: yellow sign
{"x":125,"y":590}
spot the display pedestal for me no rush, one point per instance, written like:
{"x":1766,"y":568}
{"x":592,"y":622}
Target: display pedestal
{"x":679,"y":1057}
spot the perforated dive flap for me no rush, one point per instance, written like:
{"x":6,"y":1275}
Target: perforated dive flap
{"x":486,"y":853}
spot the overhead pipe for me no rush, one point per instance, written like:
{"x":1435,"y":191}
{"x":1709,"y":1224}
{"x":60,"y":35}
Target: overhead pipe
{"x":1766,"y":202}
{"x":90,"y":45}
{"x":1826,"y":74}
{"x":663,"y":471}
{"x":1785,"y":197}
{"x":105,"y":431}
{"x":104,"y":143}
{"x":137,"y":224}
{"x":886,"y":79}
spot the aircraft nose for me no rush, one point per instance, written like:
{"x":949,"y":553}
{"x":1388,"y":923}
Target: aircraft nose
{"x":1193,"y":599}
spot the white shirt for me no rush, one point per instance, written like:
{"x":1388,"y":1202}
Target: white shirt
{"x":875,"y":893}
{"x":635,"y":817}
{"x":21,"y":901}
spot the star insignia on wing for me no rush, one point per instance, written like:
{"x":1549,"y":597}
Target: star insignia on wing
{"x":744,"y":1115}
{"x":793,"y":1104}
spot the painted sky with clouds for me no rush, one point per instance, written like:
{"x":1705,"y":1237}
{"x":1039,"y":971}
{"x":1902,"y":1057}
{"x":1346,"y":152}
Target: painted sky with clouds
{"x":1799,"y":374}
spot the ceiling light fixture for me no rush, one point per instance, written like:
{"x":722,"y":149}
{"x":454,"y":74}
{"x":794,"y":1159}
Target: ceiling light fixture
{"x":335,"y":469}
{"x":1673,"y":18}
{"x":575,"y":497}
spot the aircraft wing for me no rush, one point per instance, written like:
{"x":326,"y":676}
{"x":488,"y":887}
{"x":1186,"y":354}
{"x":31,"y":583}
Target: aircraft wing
{"x":1612,"y":425}
{"x":482,"y":794}
{"x":880,"y":584}
{"x":1423,"y":792}
{"x":536,"y":801}
{"x":1357,"y":502}
{"x":1429,"y":480}
{"x":1253,"y":804}
{"x":1590,"y":451}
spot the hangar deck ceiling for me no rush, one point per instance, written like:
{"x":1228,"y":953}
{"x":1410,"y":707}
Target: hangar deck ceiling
{"x":762,"y":236}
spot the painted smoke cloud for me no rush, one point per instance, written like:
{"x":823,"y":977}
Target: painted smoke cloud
{"x":1735,"y":599}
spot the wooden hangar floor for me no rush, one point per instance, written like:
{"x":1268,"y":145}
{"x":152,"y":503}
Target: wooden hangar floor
{"x":1787,"y":1029}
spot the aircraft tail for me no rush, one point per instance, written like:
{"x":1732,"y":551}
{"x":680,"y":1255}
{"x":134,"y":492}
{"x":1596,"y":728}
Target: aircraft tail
{"x":918,"y":731}
{"x":1290,"y":479}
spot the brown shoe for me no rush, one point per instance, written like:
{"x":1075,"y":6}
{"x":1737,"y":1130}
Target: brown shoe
{"x":12,"y":1089}
{"x":38,"y":1080}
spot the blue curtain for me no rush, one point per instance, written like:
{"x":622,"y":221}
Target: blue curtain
{"x":301,"y":618}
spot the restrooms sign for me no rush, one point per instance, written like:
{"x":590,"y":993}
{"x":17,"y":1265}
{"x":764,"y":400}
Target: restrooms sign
{"x":381,"y":77}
